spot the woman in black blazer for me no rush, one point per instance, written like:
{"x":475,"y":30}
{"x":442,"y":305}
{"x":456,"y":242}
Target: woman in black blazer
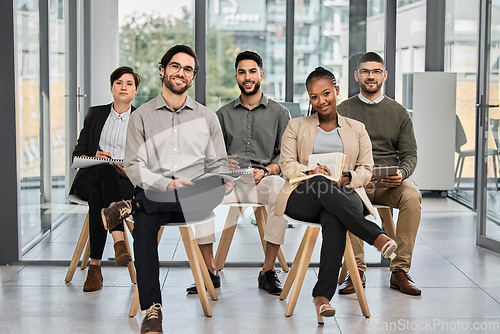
{"x":104,"y":136}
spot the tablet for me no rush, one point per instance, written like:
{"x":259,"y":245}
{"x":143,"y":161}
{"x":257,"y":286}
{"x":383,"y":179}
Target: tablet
{"x":379,"y":173}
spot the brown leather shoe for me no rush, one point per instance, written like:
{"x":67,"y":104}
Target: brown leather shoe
{"x":115,"y":213}
{"x":94,"y":279}
{"x":152,"y":320}
{"x":403,"y":282}
{"x":122,"y":257}
{"x":347,"y":287}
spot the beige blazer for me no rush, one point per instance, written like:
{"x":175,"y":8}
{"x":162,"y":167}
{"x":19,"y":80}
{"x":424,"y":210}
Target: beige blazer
{"x":297,"y":144}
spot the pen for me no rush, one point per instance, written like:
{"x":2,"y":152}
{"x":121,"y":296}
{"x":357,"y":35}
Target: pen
{"x":327,"y":172}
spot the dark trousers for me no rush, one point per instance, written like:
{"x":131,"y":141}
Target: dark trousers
{"x":100,"y":186}
{"x":318,"y":200}
{"x":188,"y":204}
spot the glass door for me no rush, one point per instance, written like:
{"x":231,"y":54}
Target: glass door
{"x":488,"y":111}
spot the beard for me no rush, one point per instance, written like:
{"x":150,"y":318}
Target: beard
{"x":375,"y":89}
{"x":252,"y":92}
{"x":173,"y":88}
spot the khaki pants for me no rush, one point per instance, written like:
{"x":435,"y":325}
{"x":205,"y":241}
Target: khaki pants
{"x":265,"y":192}
{"x":407,"y":198}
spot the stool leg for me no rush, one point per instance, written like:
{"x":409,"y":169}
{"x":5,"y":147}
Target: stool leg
{"x":204,"y":271}
{"x":194,"y":263}
{"x":387,"y":222}
{"x":293,"y":271}
{"x":350,"y":261}
{"x":311,"y":235}
{"x":134,"y":307}
{"x":130,"y":265}
{"x":261,"y":218}
{"x":86,"y":255}
{"x":82,"y":239}
{"x":227,"y":236}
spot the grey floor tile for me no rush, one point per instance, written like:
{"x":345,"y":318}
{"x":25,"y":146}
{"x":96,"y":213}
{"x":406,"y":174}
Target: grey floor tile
{"x":459,"y":282}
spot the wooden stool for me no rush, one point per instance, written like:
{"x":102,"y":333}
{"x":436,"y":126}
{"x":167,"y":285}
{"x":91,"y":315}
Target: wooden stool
{"x":389,"y":227}
{"x":301,"y":263}
{"x":235,"y":211}
{"x":197,"y":264}
{"x":84,"y":242}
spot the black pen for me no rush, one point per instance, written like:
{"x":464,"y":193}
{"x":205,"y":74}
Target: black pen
{"x":327,"y":172}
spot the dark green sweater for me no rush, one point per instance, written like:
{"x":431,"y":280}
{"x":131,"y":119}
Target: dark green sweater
{"x":390,"y":129}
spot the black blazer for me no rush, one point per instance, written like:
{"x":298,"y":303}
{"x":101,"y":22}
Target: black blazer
{"x":88,"y":141}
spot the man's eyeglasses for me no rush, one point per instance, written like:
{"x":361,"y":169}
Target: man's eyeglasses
{"x":176,"y":67}
{"x":365,"y":72}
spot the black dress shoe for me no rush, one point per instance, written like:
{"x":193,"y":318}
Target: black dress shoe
{"x":270,"y":282}
{"x":215,"y":281}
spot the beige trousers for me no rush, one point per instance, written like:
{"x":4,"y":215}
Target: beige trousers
{"x":265,"y":192}
{"x":407,"y":198}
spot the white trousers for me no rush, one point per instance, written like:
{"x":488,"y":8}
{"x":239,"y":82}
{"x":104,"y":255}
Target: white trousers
{"x":265,"y":192}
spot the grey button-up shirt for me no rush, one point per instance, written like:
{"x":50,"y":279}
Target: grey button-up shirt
{"x":163,"y":144}
{"x":254,"y":135}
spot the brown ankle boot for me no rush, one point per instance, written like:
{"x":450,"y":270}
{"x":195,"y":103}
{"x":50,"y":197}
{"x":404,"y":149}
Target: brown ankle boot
{"x":122,"y":257}
{"x":94,"y":279}
{"x":115,"y":213}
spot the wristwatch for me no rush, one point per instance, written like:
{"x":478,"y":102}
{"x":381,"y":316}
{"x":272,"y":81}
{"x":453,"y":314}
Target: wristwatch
{"x":266,"y":173}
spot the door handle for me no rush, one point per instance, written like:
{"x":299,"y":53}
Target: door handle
{"x":488,"y":105}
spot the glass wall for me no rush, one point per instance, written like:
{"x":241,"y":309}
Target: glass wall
{"x":410,"y":42}
{"x":147,"y":30}
{"x":491,"y":227}
{"x":29,"y":120}
{"x":323,"y":36}
{"x":235,"y":26}
{"x":57,"y":81}
{"x":461,"y":58}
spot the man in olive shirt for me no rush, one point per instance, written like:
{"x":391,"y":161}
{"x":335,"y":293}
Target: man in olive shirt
{"x":393,"y":144}
{"x":252,"y":126}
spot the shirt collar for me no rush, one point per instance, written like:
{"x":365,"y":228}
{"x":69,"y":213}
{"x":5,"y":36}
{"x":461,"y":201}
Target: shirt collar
{"x":365,"y":100}
{"x":123,"y":116}
{"x":188,"y":104}
{"x":264,"y":101}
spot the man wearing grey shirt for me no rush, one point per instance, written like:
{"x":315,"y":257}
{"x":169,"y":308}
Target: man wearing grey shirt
{"x":170,"y":140}
{"x":253,"y":126}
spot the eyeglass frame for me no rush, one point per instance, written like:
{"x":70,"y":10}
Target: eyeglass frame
{"x":366,"y":72}
{"x":188,"y":70}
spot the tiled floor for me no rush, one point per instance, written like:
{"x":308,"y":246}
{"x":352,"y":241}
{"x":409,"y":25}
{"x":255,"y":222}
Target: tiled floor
{"x":459,"y":281}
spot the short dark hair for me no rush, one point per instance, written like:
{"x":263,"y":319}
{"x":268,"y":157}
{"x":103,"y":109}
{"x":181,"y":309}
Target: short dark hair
{"x":251,"y":55}
{"x":117,"y":74}
{"x":179,"y":48}
{"x":370,"y":56}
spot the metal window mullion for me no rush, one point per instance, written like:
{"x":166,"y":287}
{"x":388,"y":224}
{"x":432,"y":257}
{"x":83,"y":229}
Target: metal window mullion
{"x":200,"y":31}
{"x":44,"y":144}
{"x":289,"y":49}
{"x":390,"y":47}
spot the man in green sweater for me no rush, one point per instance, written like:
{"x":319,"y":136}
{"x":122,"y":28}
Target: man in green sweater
{"x":393,"y":144}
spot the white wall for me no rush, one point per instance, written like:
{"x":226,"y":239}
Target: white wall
{"x":104,"y":49}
